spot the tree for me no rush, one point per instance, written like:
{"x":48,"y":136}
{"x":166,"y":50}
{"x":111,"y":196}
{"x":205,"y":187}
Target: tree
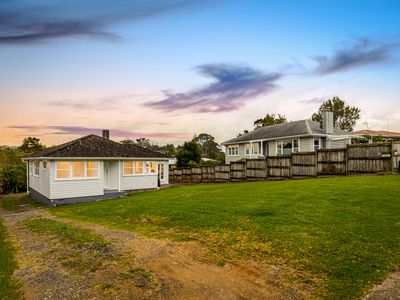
{"x":31,"y":144}
{"x":270,"y":119}
{"x":168,"y":149}
{"x":141,"y":142}
{"x":189,"y":153}
{"x":209,"y":148}
{"x":344,"y":116}
{"x":244,"y":132}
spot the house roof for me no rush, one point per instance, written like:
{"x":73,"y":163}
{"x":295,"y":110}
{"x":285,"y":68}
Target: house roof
{"x":96,"y":146}
{"x":295,"y":128}
{"x":378,"y":133}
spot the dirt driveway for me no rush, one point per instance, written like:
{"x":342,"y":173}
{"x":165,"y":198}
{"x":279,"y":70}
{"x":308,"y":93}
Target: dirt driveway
{"x":134,"y":267}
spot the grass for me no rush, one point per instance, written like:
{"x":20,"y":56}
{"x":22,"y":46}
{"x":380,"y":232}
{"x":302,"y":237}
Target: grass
{"x":341,"y":233}
{"x":16,"y":202}
{"x":9,"y":288}
{"x":78,"y":237}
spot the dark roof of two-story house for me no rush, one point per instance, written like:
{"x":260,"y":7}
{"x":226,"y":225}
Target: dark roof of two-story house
{"x":96,"y":146}
{"x":289,"y":129}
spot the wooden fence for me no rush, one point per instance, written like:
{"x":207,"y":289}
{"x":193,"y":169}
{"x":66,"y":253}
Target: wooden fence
{"x":355,"y":159}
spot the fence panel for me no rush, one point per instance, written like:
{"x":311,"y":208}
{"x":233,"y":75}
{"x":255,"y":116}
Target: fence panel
{"x":187,"y":175}
{"x":304,"y":164}
{"x":331,"y":162}
{"x":222,"y":173}
{"x":207,"y":173}
{"x":374,"y":158}
{"x":279,"y":166}
{"x":238,"y":170}
{"x":256,"y":169}
{"x":196,"y":174}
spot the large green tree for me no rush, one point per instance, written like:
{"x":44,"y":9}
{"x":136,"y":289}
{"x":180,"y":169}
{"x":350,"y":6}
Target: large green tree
{"x":31,"y":144}
{"x":188,"y":154}
{"x":270,"y":119}
{"x":344,"y":115}
{"x":208,"y":146}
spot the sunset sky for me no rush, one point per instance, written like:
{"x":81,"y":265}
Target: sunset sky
{"x":167,"y":70}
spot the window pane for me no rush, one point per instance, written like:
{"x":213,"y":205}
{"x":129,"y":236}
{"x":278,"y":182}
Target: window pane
{"x":62,"y":165}
{"x":153,"y":167}
{"x":138,"y":167}
{"x":78,"y":169}
{"x":62,"y":173}
{"x":92,"y":164}
{"x":92,"y":172}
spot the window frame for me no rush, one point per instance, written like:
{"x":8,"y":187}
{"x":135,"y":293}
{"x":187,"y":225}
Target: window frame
{"x":255,"y":145}
{"x":85,"y":172}
{"x":36,"y":168}
{"x":319,"y":143}
{"x":280,"y":146}
{"x":233,"y":150}
{"x":146,"y":168}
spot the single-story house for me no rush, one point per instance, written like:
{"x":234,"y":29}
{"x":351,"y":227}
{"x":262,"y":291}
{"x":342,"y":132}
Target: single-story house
{"x":287,"y":138}
{"x":93,"y":168}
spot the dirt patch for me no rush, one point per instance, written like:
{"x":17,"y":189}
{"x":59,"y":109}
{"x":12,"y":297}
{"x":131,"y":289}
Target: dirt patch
{"x":135,"y":268}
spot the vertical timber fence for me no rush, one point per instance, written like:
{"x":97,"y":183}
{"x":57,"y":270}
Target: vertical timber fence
{"x":355,"y":159}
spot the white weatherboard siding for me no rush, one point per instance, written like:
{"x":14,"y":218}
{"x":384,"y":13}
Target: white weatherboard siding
{"x":338,"y":143}
{"x":307,"y":144}
{"x":138,"y":182}
{"x":70,"y":188}
{"x":272,"y":148}
{"x":40,"y":183}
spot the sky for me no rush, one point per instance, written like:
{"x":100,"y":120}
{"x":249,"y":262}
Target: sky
{"x":168,"y":70}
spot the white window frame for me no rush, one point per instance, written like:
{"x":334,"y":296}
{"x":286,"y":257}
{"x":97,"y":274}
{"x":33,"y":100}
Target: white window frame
{"x":36,"y":168}
{"x":162,"y":171}
{"x":85,"y":177}
{"x":233,"y":150}
{"x":279,"y":146}
{"x":247,"y":149}
{"x":319,"y":143}
{"x":255,"y":146}
{"x":44,"y":165}
{"x":146,"y":168}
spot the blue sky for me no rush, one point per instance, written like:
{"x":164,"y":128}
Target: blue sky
{"x":169,"y":69}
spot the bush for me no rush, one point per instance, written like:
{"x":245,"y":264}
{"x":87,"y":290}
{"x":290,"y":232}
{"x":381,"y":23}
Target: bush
{"x":13,"y":179}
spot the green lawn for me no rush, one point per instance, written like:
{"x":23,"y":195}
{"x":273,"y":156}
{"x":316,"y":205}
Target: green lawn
{"x":341,"y":233}
{"x":9,"y":289}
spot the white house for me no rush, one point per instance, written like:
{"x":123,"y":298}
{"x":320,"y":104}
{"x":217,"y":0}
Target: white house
{"x":93,"y":168}
{"x":287,"y":138}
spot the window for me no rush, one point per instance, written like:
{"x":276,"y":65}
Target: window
{"x":256,"y":148}
{"x":44,"y":165}
{"x":138,"y":167}
{"x":77,"y":169}
{"x":128,"y":168}
{"x":63,"y":169}
{"x":316,"y":144}
{"x":92,"y":169}
{"x":36,"y":165}
{"x":161,"y":171}
{"x":287,"y":147}
{"x":247,"y":149}
{"x":233,"y":150}
{"x":153,"y":167}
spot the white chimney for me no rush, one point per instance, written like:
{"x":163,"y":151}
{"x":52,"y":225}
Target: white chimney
{"x":327,"y":122}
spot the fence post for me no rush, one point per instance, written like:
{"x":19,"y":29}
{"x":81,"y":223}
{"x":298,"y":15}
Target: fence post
{"x":346,"y":159}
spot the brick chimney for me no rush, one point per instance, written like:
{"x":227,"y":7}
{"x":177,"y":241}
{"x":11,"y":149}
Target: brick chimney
{"x":106,"y":134}
{"x":327,"y":122}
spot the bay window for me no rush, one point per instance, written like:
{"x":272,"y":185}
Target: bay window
{"x":77,"y":169}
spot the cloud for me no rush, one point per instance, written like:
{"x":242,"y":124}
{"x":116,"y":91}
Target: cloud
{"x":233,"y":86}
{"x":24,"y":22}
{"x":315,"y":100}
{"x":361,"y":52}
{"x":81,"y":130}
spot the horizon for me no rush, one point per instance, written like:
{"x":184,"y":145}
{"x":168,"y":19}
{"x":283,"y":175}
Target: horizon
{"x":168,"y":71}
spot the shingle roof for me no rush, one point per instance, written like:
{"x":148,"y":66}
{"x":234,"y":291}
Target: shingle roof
{"x":301,"y":127}
{"x":96,"y":146}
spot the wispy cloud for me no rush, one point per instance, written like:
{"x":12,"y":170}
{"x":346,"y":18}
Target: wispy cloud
{"x":360,"y":52}
{"x":81,"y":130}
{"x":23,"y":22}
{"x":315,"y":100}
{"x":233,"y":86}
